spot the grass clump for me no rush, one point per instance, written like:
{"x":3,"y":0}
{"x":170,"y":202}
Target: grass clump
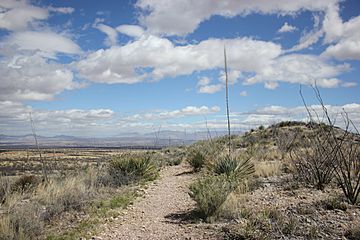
{"x":210,"y":193}
{"x":333,"y":203}
{"x":353,"y":233}
{"x":127,"y":169}
{"x":196,"y":160}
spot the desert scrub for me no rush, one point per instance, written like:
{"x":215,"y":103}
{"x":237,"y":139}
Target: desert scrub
{"x":267,"y":168}
{"x":23,"y":221}
{"x":196,"y":160}
{"x":59,"y":196}
{"x":235,"y":166}
{"x":127,"y":169}
{"x":210,"y":193}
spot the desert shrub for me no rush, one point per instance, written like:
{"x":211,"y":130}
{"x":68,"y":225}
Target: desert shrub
{"x":196,"y":160}
{"x":237,"y":166}
{"x":5,"y":187}
{"x":268,"y":168}
{"x":63,"y":195}
{"x":126,"y":169}
{"x":315,"y":165}
{"x":353,"y":233}
{"x":25,"y":183}
{"x":332,"y":203}
{"x":22,"y":222}
{"x":210,"y":193}
{"x":347,"y":169}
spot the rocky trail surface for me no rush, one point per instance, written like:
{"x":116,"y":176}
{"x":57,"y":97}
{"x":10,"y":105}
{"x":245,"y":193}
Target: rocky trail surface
{"x":163,"y":212}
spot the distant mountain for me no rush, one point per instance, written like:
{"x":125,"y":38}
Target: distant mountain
{"x":161,"y":138}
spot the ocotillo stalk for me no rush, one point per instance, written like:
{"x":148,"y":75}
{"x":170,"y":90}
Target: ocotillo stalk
{"x":38,"y":149}
{"x":227,"y":100}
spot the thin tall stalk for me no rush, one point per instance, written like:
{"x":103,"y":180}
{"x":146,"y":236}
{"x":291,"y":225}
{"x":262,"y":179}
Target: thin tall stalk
{"x":227,"y":100}
{"x":38,"y":149}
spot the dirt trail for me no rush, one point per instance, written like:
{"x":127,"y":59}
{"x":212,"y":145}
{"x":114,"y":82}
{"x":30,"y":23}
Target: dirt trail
{"x":164,"y":212}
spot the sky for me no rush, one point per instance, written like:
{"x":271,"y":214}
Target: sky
{"x":104,"y":68}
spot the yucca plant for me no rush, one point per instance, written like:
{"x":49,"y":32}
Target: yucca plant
{"x":127,"y":168}
{"x":234,"y":166}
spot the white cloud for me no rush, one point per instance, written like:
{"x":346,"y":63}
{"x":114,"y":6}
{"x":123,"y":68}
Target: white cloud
{"x":233,"y":76}
{"x":273,"y":114}
{"x":25,"y":77}
{"x":243,"y":94}
{"x":110,"y":32}
{"x":349,"y":84}
{"x":310,"y":37}
{"x":48,"y":42}
{"x":184,"y":112}
{"x":271,"y":85}
{"x":131,"y":30}
{"x":203,"y":81}
{"x":160,"y":58}
{"x":17,"y":15}
{"x":213,"y":88}
{"x":14,"y":117}
{"x":287,"y":28}
{"x":63,"y":10}
{"x":162,"y":16}
{"x":298,"y":68}
{"x":344,"y":35}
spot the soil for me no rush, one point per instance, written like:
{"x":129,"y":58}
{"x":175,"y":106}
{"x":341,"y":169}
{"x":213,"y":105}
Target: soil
{"x":165,"y":211}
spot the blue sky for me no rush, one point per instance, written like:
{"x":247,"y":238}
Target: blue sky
{"x":86,"y":68}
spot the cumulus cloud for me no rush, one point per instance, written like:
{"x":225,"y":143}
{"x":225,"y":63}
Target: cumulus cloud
{"x":287,"y":28}
{"x":131,"y":30}
{"x":32,"y":77}
{"x":211,"y":88}
{"x":20,"y":15}
{"x":161,"y":16}
{"x":205,"y":86}
{"x":14,"y":117}
{"x":17,"y":15}
{"x":273,"y":114}
{"x":299,"y":68}
{"x":345,"y":36}
{"x":179,"y":113}
{"x":204,"y":81}
{"x":159,"y":58}
{"x":48,"y":42}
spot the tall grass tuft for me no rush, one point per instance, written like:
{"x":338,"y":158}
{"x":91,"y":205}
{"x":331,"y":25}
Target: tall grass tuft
{"x":196,"y":160}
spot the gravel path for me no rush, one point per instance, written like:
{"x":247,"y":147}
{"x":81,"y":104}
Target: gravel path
{"x":164,"y":212}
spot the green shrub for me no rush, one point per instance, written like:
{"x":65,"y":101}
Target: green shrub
{"x":210,"y":193}
{"x":127,"y":169}
{"x":197,"y":160}
{"x":236,"y":166}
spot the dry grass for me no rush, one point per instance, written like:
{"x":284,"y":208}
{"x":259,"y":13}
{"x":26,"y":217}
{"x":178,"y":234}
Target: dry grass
{"x":29,"y":206}
{"x":268,"y":168}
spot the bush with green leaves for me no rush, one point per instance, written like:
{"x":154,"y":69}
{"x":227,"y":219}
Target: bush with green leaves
{"x":237,"y":166}
{"x":126,"y":169}
{"x":210,"y":193}
{"x":196,"y":160}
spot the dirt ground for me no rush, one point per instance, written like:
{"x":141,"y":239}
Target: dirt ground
{"x":164,"y":212}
